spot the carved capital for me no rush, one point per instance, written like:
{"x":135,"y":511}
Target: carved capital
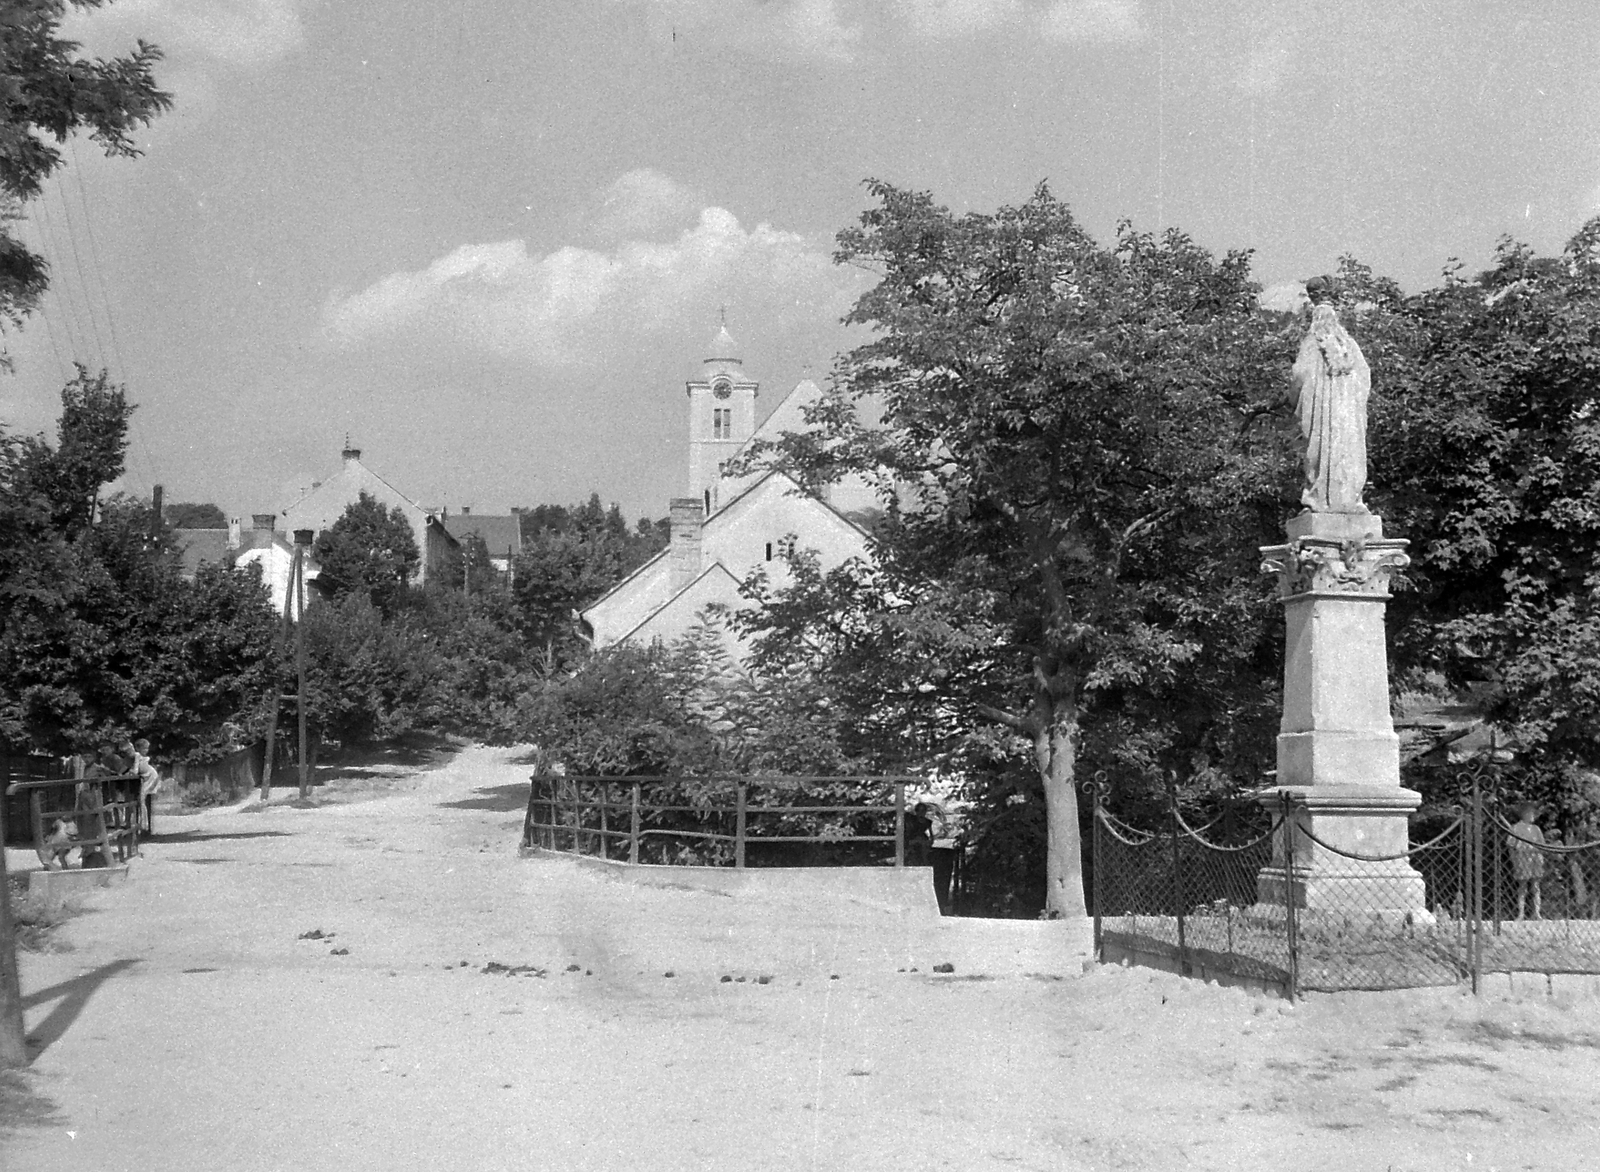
{"x":1325,"y":565}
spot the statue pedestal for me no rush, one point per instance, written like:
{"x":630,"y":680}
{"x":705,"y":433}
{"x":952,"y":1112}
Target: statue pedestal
{"x":1338,"y":754}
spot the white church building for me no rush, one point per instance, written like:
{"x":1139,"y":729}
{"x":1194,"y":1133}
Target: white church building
{"x":727,"y":527}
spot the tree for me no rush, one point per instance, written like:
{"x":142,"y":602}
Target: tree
{"x":1485,"y":450}
{"x":48,"y":89}
{"x":369,"y":550}
{"x":189,"y":515}
{"x":570,"y":557}
{"x":1075,"y":473}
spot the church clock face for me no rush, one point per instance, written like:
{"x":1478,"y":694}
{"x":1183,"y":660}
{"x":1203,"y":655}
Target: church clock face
{"x":722,"y":389}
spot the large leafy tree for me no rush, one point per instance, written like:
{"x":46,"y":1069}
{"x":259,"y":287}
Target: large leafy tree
{"x":369,"y":550}
{"x":100,"y":636}
{"x":570,"y":557}
{"x":1485,"y":441}
{"x":1070,"y":446}
{"x":49,"y":91}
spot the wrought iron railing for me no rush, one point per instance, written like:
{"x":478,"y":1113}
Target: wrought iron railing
{"x":1491,"y":900}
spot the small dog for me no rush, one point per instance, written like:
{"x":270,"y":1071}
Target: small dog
{"x":59,"y":843}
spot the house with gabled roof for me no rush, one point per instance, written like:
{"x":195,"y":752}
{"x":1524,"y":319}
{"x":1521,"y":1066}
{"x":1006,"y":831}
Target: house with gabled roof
{"x":325,"y":502}
{"x":728,"y":526}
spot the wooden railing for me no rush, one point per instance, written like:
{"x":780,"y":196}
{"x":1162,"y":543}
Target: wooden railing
{"x":613,"y":818}
{"x":104,"y":812}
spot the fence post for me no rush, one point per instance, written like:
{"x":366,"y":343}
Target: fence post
{"x":633,"y":828}
{"x":1475,"y":862}
{"x":605,"y":820}
{"x":1096,"y":840}
{"x":1291,"y":915}
{"x":738,"y":831}
{"x":899,"y":824}
{"x":1177,"y":872}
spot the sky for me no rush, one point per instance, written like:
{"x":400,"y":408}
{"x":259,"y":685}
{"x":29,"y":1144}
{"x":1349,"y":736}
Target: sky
{"x":489,"y":240}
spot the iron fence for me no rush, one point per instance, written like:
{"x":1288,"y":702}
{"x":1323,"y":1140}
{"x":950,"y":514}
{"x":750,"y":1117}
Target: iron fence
{"x":1233,"y":899}
{"x":724,"y":820}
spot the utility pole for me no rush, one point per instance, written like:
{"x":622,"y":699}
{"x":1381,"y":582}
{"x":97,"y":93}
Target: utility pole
{"x":302,"y":540}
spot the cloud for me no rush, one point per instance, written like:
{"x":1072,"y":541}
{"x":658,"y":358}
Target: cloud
{"x":644,"y":203}
{"x":1093,"y":21}
{"x":238,"y":33}
{"x":810,"y":29}
{"x":578,"y":306}
{"x":956,"y":18}
{"x":838,"y":30}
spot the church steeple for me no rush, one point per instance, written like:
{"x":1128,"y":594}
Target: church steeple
{"x":722,"y":414}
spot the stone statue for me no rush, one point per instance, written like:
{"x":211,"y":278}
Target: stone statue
{"x":1328,"y":388}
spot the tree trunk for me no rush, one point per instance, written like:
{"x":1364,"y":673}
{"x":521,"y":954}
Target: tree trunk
{"x":13,"y":1044}
{"x":1055,"y":749}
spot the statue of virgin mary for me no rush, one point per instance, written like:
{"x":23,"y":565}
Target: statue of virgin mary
{"x":1328,"y":388}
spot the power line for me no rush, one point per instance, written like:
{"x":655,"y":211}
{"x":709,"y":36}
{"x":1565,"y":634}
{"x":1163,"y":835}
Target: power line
{"x":94,"y":250}
{"x":75,"y":339}
{"x":83,"y":281}
{"x":105,"y":297}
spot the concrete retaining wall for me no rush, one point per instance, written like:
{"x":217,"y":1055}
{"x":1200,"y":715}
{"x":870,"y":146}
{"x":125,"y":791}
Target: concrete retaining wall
{"x":895,"y":889}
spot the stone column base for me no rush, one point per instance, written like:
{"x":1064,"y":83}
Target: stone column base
{"x":1364,"y":820}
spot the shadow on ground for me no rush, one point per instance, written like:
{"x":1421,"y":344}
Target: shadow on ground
{"x":70,"y":997}
{"x":23,"y":1107}
{"x":498,"y":799}
{"x":187,"y":836}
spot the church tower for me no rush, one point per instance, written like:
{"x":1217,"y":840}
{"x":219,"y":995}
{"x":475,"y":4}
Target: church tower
{"x":722,"y":417}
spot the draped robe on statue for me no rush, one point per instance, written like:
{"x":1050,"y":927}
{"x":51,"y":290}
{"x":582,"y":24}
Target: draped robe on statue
{"x":1329,"y":386}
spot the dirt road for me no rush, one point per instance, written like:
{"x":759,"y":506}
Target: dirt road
{"x":191,"y":1027}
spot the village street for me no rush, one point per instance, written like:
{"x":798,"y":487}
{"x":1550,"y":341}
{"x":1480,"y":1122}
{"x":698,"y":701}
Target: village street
{"x":187,"y":1025}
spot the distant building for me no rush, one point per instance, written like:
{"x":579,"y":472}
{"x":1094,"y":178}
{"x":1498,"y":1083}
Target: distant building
{"x":728,"y":526}
{"x":325,"y":502}
{"x":261,"y":545}
{"x":501,"y":534}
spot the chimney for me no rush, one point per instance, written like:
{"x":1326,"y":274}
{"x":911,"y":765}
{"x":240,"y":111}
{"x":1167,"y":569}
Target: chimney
{"x":683,"y":554}
{"x":304,"y":536}
{"x":265,"y":521}
{"x":235,"y":533}
{"x":351,"y":455}
{"x":466,"y":510}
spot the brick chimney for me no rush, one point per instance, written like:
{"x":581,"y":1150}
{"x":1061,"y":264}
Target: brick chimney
{"x":466,"y":510}
{"x":235,"y":533}
{"x":683,"y":554}
{"x":265,"y":521}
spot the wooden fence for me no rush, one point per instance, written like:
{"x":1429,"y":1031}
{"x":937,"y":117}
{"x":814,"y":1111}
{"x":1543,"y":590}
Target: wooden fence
{"x":614,"y":818}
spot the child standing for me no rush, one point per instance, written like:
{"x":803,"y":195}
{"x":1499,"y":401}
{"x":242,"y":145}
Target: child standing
{"x":1527,"y":859}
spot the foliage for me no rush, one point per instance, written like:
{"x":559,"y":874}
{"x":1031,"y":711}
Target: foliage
{"x":628,"y":711}
{"x":190,"y":515}
{"x":1070,"y":453}
{"x":369,"y":551}
{"x":48,"y":91}
{"x":1485,"y":442}
{"x":101,"y":636}
{"x":570,"y":557}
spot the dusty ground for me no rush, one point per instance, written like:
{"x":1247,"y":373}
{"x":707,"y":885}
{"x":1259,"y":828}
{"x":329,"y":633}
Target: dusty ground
{"x":186,"y":1026}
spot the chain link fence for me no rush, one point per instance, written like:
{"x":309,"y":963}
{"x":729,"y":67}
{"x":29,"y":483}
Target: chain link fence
{"x":1473,"y":891}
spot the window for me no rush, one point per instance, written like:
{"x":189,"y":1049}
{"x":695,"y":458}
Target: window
{"x":722,"y":423}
